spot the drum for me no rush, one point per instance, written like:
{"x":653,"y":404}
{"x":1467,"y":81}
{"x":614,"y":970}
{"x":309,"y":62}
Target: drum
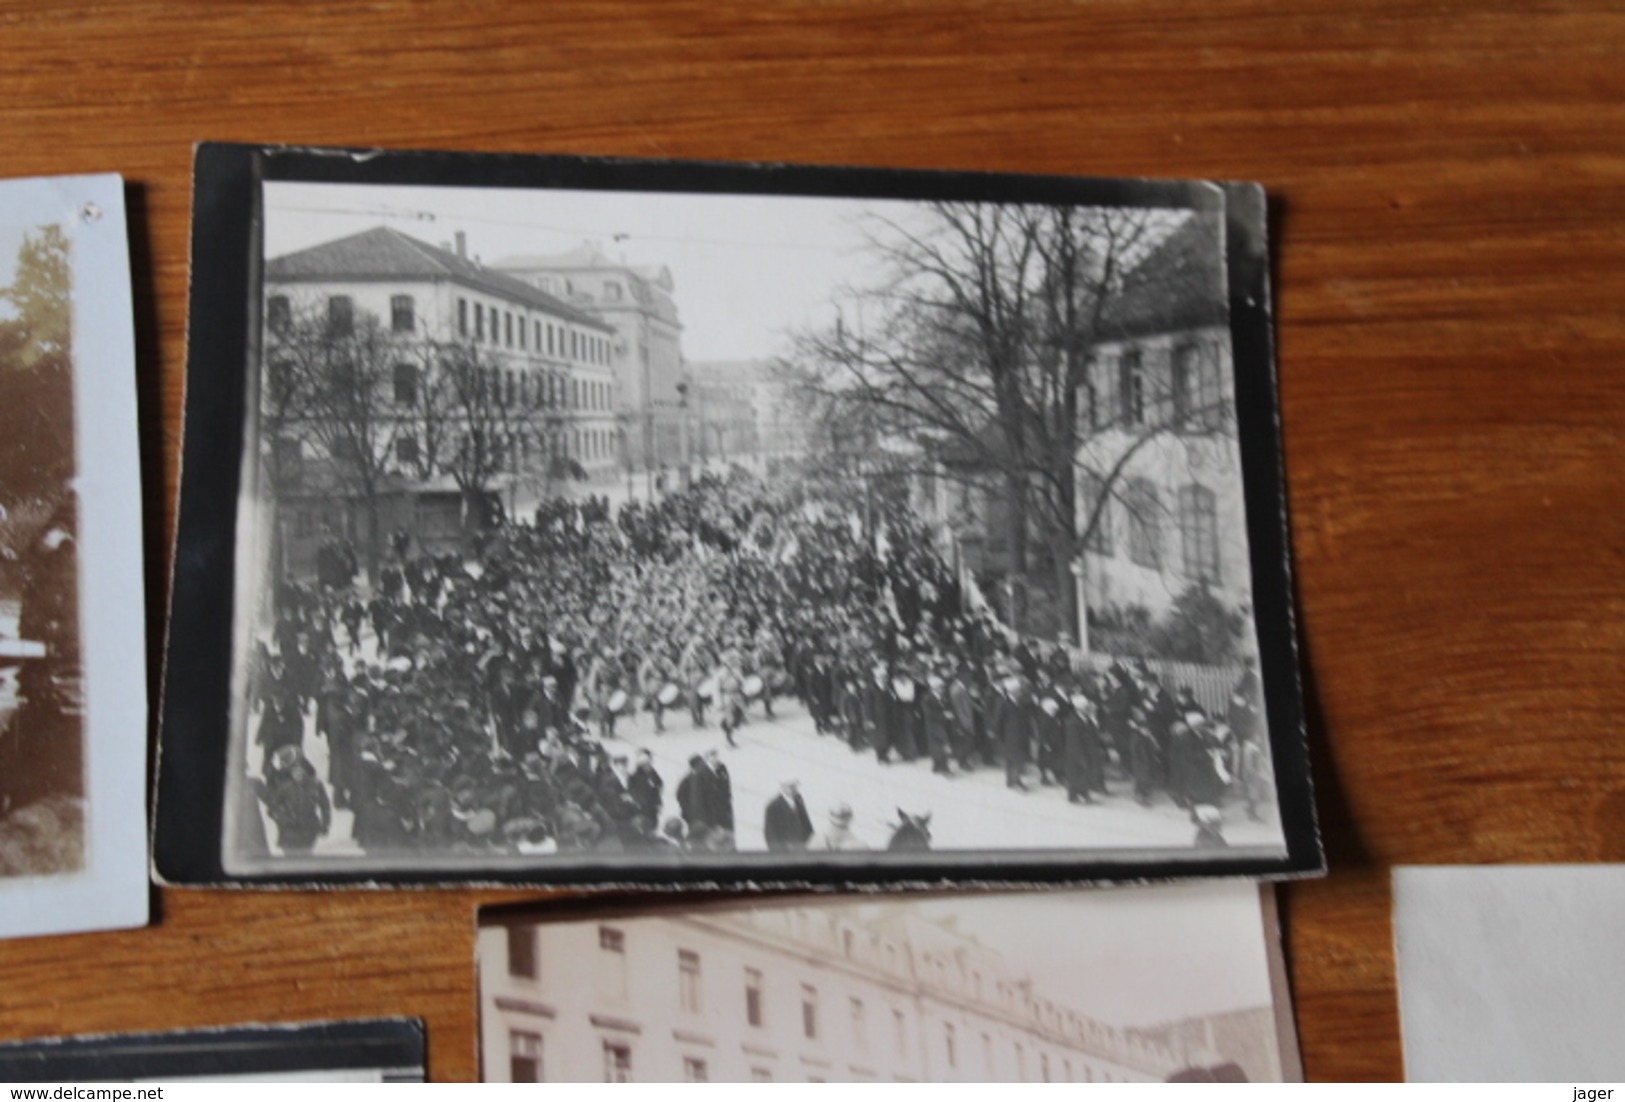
{"x":708,"y":689}
{"x":1051,"y":706}
{"x":752,"y":687}
{"x":904,"y":689}
{"x":668,"y":695}
{"x":617,"y":702}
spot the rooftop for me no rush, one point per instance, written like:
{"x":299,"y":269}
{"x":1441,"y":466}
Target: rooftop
{"x":383,"y":253}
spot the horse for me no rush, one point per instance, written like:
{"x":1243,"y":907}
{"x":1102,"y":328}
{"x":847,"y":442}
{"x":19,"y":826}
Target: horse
{"x":912,"y":834}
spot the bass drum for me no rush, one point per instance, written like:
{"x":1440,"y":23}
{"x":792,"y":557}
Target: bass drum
{"x":668,"y":695}
{"x":708,"y":689}
{"x":752,"y":688}
{"x":617,"y":702}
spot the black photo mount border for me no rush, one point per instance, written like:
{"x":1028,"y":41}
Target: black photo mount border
{"x":227,"y":229}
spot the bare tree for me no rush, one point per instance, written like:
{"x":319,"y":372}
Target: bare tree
{"x":978,"y":351}
{"x":498,"y":419}
{"x":329,"y":385}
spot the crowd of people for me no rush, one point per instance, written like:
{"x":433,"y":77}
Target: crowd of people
{"x":478,"y":711}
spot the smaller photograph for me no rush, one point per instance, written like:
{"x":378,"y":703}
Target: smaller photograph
{"x":376,"y":1050}
{"x":73,"y":708}
{"x":1169,"y":984}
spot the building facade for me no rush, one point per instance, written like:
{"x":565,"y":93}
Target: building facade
{"x":546,"y":366}
{"x":1173,"y":515}
{"x":819,"y":994}
{"x":647,"y":356}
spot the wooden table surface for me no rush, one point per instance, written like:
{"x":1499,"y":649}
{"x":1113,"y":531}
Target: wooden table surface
{"x":1448,"y":188}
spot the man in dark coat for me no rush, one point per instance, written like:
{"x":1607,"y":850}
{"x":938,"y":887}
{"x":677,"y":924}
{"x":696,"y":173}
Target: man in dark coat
{"x":786,"y":824}
{"x":962,"y":703}
{"x":1085,"y":752}
{"x":1013,"y":723}
{"x":939,"y":724}
{"x":719,"y":790}
{"x":647,"y":787}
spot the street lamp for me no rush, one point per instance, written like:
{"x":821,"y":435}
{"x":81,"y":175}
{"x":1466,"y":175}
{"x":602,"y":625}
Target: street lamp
{"x":682,"y":425}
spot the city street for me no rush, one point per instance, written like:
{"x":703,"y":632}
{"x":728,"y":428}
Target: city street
{"x":972,"y":811}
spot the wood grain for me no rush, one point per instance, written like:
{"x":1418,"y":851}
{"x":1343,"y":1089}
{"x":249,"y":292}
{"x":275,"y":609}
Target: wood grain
{"x":1448,"y":184}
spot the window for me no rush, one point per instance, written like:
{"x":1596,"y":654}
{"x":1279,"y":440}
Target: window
{"x":612,"y":963}
{"x":1066,"y":1071}
{"x":1043,"y":1066}
{"x":1131,"y":387}
{"x":688,"y":981}
{"x":987,"y":1053}
{"x":406,"y":384}
{"x":406,"y":450}
{"x":948,"y":1044}
{"x":462,"y":317}
{"x":524,"y":1056}
{"x":1144,"y":509}
{"x":1021,"y":1063}
{"x":612,"y":292}
{"x":340,"y":316}
{"x":753,"y":997}
{"x":694,"y":1070}
{"x":1199,"y":533}
{"x":402,"y":317}
{"x":278,"y":314}
{"x":522,"y":952}
{"x":507,"y":327}
{"x":521,"y":334}
{"x":761,"y":1075}
{"x":550,"y":348}
{"x":1099,"y":538}
{"x":899,"y":1029}
{"x":860,"y":1026}
{"x":1195,"y":383}
{"x":479,"y":322}
{"x":538,"y":335}
{"x":809,"y":1011}
{"x":617,"y":1062}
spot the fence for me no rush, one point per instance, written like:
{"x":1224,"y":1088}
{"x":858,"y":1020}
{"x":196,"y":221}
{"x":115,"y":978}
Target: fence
{"x":1210,"y":685}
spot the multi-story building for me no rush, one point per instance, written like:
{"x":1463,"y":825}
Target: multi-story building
{"x":551,"y":363}
{"x":647,"y":357}
{"x":722,"y":410}
{"x":1161,"y":393}
{"x":740,"y":402}
{"x":773,"y":994}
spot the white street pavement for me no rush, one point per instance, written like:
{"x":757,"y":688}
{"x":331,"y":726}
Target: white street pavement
{"x":972,"y":811}
{"x":969,"y":811}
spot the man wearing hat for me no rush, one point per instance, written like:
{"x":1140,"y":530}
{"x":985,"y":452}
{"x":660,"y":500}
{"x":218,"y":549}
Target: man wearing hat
{"x":786,"y":826}
{"x":1085,"y":751}
{"x":839,"y":836}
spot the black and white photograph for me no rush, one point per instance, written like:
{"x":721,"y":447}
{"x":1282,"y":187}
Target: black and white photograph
{"x":609,"y":531}
{"x":72,"y":675}
{"x":377,"y":1050}
{"x":1173,"y":984}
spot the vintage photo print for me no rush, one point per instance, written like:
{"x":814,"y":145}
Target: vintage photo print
{"x":1173,"y":984}
{"x":614,"y":523}
{"x":380,"y":1050}
{"x":73,"y":731}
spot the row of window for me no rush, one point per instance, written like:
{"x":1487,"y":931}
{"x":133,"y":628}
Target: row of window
{"x":499,"y":328}
{"x":1130,"y":396}
{"x":524,"y":963}
{"x":515,"y":450}
{"x":516,"y":389}
{"x":527,"y":1056}
{"x":1141,"y":506}
{"x":507,"y":329}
